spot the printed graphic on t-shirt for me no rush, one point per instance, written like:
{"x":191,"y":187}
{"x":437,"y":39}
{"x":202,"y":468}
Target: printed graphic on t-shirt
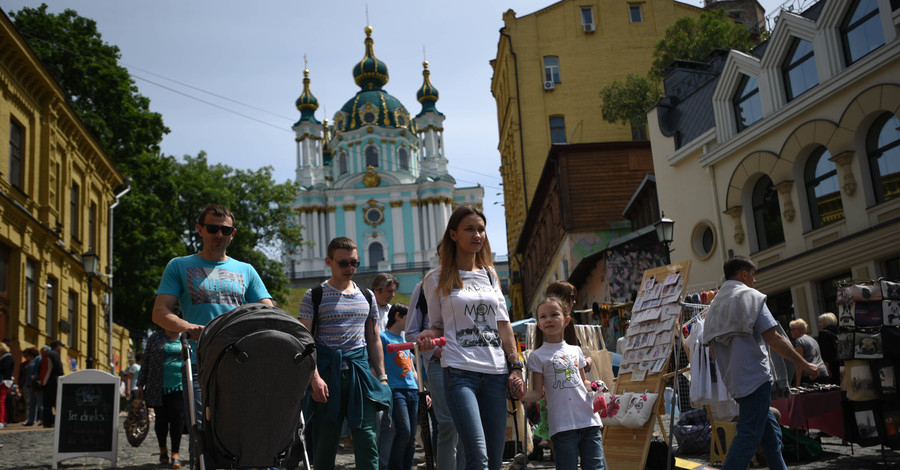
{"x":565,"y":366}
{"x":403,"y":361}
{"x":215,"y":286}
{"x":484,"y":331}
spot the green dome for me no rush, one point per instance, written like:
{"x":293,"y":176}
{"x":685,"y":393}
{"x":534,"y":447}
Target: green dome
{"x":370,"y":73}
{"x":428,"y":94}
{"x":373,"y":108}
{"x":307,"y":103}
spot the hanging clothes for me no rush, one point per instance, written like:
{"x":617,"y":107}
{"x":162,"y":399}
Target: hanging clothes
{"x":706,"y":387}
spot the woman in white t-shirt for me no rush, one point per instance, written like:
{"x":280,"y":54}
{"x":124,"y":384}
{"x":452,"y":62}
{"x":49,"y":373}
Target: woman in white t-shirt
{"x":470,"y":312}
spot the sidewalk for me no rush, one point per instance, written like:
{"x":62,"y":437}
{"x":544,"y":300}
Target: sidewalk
{"x":28,"y":448}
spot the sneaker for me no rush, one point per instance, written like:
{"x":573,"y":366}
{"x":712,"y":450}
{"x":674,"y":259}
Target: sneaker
{"x":28,"y":424}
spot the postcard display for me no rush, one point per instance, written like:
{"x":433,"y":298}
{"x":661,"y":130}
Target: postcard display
{"x":869,"y":350}
{"x":649,"y":343}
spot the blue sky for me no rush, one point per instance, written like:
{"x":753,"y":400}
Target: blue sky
{"x":225,"y":75}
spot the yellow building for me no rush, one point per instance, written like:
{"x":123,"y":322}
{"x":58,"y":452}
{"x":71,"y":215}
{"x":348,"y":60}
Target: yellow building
{"x":56,"y":186}
{"x":549,"y":69}
{"x":789,"y":154}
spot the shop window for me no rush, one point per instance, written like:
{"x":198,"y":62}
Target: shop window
{"x":861,"y":31}
{"x":551,"y":69}
{"x":747,"y":103}
{"x":883,"y":150}
{"x":376,"y":254}
{"x":403,"y":158}
{"x":823,"y":191}
{"x":767,"y":214}
{"x":371,"y":156}
{"x":16,"y":155}
{"x":557,"y":130}
{"x":799,"y":69}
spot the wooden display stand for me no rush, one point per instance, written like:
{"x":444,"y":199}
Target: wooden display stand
{"x":627,"y":448}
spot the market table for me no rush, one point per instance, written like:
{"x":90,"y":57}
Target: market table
{"x":814,"y":410}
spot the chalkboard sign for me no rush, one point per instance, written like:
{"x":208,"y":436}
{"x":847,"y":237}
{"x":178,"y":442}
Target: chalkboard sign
{"x":87,"y":416}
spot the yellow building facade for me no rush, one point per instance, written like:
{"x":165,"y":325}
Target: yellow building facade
{"x":800,"y":166}
{"x":548,"y":72}
{"x":56,"y":186}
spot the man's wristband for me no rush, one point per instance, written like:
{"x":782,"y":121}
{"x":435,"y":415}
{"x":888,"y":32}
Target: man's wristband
{"x":382,"y":377}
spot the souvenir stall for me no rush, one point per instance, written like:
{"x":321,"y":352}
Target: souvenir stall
{"x":869,"y":350}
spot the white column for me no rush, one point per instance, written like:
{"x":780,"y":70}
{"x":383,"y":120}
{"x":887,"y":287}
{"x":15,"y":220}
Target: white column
{"x":436,"y":225}
{"x":323,"y":230}
{"x":429,"y":225}
{"x":350,"y":223}
{"x":314,"y":222}
{"x":307,"y":234}
{"x":397,"y":217}
{"x":417,"y":229}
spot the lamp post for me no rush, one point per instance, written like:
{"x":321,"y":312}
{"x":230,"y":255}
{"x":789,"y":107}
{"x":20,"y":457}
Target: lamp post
{"x":90,"y":260}
{"x":665,"y":233}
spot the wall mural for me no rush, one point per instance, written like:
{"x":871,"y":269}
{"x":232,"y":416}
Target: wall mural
{"x":625,"y":269}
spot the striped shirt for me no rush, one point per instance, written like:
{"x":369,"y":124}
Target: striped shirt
{"x":342,"y":317}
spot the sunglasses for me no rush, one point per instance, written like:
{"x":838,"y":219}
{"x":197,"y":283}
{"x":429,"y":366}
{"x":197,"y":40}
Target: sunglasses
{"x":346,"y":264}
{"x":214,"y":229}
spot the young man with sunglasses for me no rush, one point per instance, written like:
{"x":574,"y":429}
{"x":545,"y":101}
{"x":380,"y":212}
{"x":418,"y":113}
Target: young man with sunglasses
{"x":349,"y":381}
{"x":206,"y":284}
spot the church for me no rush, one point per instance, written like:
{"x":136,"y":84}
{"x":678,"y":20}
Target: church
{"x":376,"y":175}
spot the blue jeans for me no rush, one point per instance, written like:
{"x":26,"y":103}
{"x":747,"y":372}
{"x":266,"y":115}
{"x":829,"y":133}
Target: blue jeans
{"x":756,"y":425}
{"x":448,"y":448}
{"x":385,"y":438}
{"x":404,"y":414}
{"x":478,"y":402}
{"x":584,"y":442}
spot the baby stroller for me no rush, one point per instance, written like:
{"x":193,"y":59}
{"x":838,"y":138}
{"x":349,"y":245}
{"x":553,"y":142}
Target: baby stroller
{"x":256,"y":363}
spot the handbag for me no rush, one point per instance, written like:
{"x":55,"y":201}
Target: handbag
{"x":137,"y":424}
{"x":865,"y":291}
{"x":890,"y":290}
{"x":640,"y":408}
{"x":615,"y":408}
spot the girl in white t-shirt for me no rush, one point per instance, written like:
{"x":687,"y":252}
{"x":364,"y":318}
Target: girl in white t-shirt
{"x":557,"y":374}
{"x":480,"y":360}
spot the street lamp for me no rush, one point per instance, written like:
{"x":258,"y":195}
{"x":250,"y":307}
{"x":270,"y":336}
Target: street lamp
{"x":90,"y":261}
{"x":665,"y":233}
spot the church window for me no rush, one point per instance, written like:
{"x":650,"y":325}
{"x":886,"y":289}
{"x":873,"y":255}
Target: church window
{"x":767,"y":214}
{"x":799,"y":69}
{"x":551,"y":69}
{"x":342,"y":163}
{"x":557,"y":130}
{"x":823,"y":192}
{"x":371,"y":156}
{"x":883,"y":150}
{"x":861,"y":31}
{"x":403,"y":158}
{"x":376,"y":254}
{"x":747,"y":103}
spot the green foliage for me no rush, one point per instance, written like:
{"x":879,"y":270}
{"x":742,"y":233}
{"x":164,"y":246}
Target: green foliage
{"x":693,"y":39}
{"x":156,"y":220}
{"x":627,"y":102}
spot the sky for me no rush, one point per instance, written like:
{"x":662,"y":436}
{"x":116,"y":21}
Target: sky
{"x":224,"y":74}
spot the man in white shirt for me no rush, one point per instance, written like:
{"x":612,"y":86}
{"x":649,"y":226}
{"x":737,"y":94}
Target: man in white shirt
{"x":384,"y":286}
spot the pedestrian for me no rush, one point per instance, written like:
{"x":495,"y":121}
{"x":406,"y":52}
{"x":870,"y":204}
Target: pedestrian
{"x":557,"y":374}
{"x":828,"y":346}
{"x":807,"y":347}
{"x":205,"y":285}
{"x":738,"y":328}
{"x":132,"y":374}
{"x":7,"y":368}
{"x":160,"y":386}
{"x":384,"y":286}
{"x":349,"y":380}
{"x":30,"y":384}
{"x":49,"y":379}
{"x":400,"y":444}
{"x":447,"y":446}
{"x":480,"y":359}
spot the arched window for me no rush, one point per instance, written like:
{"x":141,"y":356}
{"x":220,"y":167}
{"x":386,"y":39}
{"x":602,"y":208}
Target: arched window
{"x":861,"y":31}
{"x":799,"y":69}
{"x":403,"y":158}
{"x":376,"y":254}
{"x":823,"y":191}
{"x":883,"y":150}
{"x":371,"y":156}
{"x":767,"y":214}
{"x":747,"y":103}
{"x":342,"y":163}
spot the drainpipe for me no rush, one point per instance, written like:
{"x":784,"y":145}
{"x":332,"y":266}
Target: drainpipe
{"x":109,"y":306}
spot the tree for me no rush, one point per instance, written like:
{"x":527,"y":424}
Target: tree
{"x":156,"y":220}
{"x":693,"y":39}
{"x":627,"y":102}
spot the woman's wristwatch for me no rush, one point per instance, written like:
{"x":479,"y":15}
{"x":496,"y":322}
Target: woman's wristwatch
{"x":516,"y":365}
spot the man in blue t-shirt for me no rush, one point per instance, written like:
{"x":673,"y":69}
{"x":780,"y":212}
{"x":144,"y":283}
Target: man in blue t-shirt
{"x":206,"y":285}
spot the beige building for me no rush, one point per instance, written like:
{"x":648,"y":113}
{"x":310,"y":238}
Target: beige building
{"x":549,"y":69}
{"x":789,"y":154}
{"x":56,"y":186}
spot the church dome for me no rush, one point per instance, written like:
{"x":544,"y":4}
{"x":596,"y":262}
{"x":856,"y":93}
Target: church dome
{"x":307,"y":103}
{"x":427,"y":94}
{"x":370,"y":73}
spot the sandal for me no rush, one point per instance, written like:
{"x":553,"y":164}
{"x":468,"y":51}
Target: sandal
{"x":164,"y":459}
{"x":176,"y":463}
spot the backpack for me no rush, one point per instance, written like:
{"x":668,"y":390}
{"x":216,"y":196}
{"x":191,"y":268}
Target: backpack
{"x":316,"y":295}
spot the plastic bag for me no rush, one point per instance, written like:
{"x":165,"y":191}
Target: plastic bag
{"x":137,"y":424}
